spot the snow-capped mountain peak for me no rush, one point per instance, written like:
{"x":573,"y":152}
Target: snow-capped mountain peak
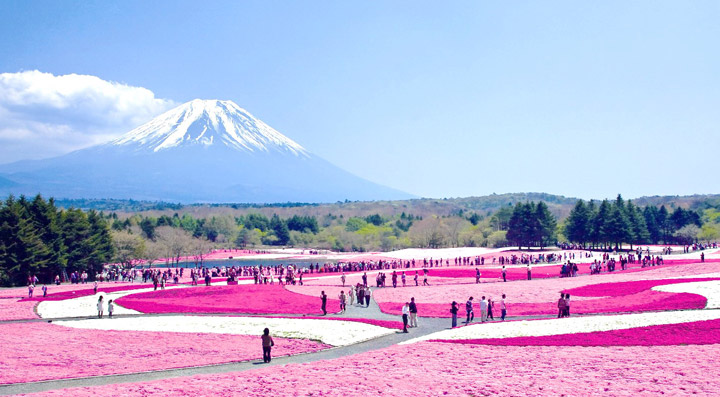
{"x":207,"y":123}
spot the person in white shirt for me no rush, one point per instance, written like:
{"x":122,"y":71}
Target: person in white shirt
{"x":405,"y":314}
{"x":503,"y":308}
{"x":483,"y":310}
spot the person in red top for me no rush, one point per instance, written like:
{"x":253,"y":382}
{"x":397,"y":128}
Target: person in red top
{"x":267,"y":344}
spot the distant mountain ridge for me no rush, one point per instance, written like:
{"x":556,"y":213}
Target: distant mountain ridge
{"x":483,"y":205}
{"x":203,"y":151}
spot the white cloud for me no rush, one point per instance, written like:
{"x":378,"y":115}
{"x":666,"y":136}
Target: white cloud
{"x":43,"y":115}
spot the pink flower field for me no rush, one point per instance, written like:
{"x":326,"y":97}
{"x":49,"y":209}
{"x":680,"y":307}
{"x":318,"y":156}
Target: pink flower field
{"x":42,"y":351}
{"x":14,"y":309}
{"x":696,"y":333}
{"x":252,"y":299}
{"x":431,"y":369}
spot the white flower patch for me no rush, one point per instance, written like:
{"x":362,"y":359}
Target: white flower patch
{"x":86,"y":306}
{"x":709,"y":289}
{"x":331,"y":332}
{"x":572,"y":325}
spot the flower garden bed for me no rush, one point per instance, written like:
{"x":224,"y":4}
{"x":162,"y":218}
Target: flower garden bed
{"x":250,"y":299}
{"x":42,"y":351}
{"x":432,"y":369}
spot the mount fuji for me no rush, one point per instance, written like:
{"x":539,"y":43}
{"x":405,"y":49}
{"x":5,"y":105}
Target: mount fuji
{"x":200,"y":152}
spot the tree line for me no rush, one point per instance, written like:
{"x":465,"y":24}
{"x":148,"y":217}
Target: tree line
{"x":619,"y":221}
{"x":39,"y":239}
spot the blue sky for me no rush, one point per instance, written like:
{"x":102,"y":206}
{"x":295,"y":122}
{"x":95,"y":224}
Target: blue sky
{"x":584,"y":99}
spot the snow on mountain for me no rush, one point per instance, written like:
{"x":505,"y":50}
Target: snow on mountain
{"x":208,"y":122}
{"x":201,"y":151}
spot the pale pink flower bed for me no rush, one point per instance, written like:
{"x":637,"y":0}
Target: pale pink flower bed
{"x":42,"y":351}
{"x":640,"y":302}
{"x":696,"y":333}
{"x":252,"y":298}
{"x":14,"y":309}
{"x":77,"y":293}
{"x":22,"y":292}
{"x":432,"y":369}
{"x":628,"y":287}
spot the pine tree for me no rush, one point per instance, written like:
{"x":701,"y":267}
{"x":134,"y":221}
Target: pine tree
{"x":638,"y":227}
{"x":577,"y":227}
{"x":599,"y":223}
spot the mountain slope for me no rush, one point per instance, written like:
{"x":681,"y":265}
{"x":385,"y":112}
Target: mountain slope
{"x":201,"y":151}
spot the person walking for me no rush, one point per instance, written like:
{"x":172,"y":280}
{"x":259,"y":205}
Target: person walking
{"x":100,"y":306}
{"x":351,"y":295}
{"x":529,"y":272}
{"x":469,"y":310}
{"x":367,"y":296}
{"x":111,"y":308}
{"x":454,"y":312}
{"x":477,"y":275}
{"x":504,"y":274}
{"x":323,"y":299}
{"x":413,"y":313}
{"x":416,"y":278}
{"x":503,"y":308}
{"x":267,"y":344}
{"x":342,"y":278}
{"x":95,"y":285}
{"x":405,"y":312}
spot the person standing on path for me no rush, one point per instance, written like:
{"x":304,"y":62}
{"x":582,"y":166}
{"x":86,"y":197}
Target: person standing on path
{"x":342,"y":301}
{"x":364,"y":278}
{"x":504,"y":274}
{"x":483,"y":310}
{"x":503,"y":308}
{"x":477,"y":275}
{"x":413,"y":313}
{"x":100,"y":306}
{"x":561,"y":305}
{"x":567,"y":305}
{"x":425,"y":272}
{"x":416,"y":278}
{"x":351,"y":295}
{"x":44,"y":290}
{"x":267,"y":344}
{"x":111,"y":308}
{"x":405,"y":312}
{"x":469,"y":310}
{"x":529,"y":272}
{"x":95,"y":288}
{"x":342,"y":278}
{"x":454,"y":311}
{"x":323,"y":299}
{"x":367,"y":296}
{"x":490,"y":309}
{"x":31,"y":288}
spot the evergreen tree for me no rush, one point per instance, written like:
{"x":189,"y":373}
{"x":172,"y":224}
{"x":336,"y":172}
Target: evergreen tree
{"x":546,"y":224}
{"x":280,"y":229}
{"x":638,"y":228}
{"x":519,"y":229}
{"x":76,"y":234}
{"x":651,"y":214}
{"x":599,"y":223}
{"x":616,"y":226}
{"x":578,"y":226}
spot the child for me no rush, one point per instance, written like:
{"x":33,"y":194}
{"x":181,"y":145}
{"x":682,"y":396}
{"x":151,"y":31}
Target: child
{"x":111,"y":308}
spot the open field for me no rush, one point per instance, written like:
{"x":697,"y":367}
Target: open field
{"x":639,"y":331}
